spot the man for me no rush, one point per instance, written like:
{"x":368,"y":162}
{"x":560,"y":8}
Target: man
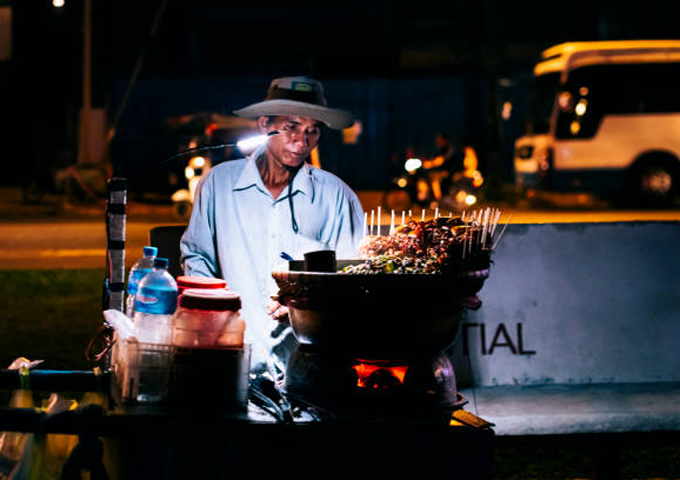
{"x":248,"y":211}
{"x":444,"y":164}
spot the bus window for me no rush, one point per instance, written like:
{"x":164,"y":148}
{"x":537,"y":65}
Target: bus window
{"x":615,"y":89}
{"x":543,"y":90}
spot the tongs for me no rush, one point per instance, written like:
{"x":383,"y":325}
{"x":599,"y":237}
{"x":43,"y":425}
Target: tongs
{"x":266,"y":393}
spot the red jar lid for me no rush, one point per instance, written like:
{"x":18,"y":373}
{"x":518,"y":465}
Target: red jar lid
{"x":210,"y":299}
{"x":186,"y":281}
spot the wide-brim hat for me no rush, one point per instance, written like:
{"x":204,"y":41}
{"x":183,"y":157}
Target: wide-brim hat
{"x":300,"y":97}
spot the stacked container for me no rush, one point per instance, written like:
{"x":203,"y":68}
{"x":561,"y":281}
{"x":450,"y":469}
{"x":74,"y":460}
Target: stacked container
{"x":208,"y":319}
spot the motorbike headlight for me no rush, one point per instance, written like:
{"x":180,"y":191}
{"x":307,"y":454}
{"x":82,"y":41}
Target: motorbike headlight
{"x":189,"y":173}
{"x":197,"y":162}
{"x":412,"y":164}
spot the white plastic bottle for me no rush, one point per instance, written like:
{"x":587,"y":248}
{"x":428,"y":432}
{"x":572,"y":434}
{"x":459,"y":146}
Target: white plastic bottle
{"x":137,"y":273}
{"x":155,"y":303}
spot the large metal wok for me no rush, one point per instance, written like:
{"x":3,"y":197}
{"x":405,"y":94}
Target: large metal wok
{"x":376,"y":315}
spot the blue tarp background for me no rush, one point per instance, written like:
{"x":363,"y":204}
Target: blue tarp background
{"x":395,"y":114}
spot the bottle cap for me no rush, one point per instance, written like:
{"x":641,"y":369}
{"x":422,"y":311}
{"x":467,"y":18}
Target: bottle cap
{"x":160,"y":262}
{"x":148,"y":251}
{"x":188,"y":281}
{"x":210,"y":299}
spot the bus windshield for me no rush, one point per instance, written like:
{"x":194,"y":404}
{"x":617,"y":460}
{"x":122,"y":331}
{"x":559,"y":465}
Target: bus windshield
{"x":542,"y":98}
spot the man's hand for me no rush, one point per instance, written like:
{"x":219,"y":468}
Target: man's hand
{"x":433,"y":162}
{"x":278,"y":312}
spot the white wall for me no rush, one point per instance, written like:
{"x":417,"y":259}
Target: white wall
{"x":577,"y":303}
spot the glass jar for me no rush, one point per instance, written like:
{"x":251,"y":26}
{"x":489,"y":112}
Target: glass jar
{"x":208,"y":319}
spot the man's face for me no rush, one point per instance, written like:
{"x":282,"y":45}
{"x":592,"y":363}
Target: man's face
{"x":296,"y":139}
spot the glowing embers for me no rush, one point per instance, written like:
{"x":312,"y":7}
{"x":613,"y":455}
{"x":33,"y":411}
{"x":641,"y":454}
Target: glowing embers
{"x":379,"y":374}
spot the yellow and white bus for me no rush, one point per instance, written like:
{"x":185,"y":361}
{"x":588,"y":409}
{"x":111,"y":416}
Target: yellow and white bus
{"x":605,"y":117}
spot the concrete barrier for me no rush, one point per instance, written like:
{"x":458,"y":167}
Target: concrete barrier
{"x":574,"y":312}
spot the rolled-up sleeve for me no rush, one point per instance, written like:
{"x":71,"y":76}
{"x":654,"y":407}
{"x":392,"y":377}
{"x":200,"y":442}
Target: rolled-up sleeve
{"x":197,"y":246}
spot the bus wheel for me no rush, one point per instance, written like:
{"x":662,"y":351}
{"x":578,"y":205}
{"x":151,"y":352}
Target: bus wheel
{"x":656,"y":182}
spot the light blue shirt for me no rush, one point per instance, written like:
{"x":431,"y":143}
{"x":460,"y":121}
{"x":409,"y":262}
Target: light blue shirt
{"x":238,"y":230}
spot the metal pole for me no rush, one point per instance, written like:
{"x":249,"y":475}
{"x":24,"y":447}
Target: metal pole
{"x":84,"y":152}
{"x":114,"y":289}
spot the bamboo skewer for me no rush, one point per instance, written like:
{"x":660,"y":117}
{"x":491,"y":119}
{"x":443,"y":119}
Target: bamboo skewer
{"x":481,"y":231}
{"x":497,"y":216}
{"x":500,"y":235}
{"x":379,"y":219}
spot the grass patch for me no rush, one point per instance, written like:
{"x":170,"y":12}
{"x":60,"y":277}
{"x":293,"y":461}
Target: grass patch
{"x":49,"y":315}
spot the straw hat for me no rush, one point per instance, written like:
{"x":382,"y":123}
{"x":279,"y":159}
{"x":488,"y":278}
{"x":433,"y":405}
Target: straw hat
{"x":300,"y":97}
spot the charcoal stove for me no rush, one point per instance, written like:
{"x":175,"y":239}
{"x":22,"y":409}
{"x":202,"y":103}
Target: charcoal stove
{"x":349,"y":385}
{"x":375,"y":343}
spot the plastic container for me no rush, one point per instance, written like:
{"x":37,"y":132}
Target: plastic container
{"x":208,"y":319}
{"x":321,"y":261}
{"x":155,"y":304}
{"x":142,"y":371}
{"x":166,"y":375}
{"x":138,"y":271}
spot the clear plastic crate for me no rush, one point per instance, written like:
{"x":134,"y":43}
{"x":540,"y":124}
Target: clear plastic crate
{"x":142,"y":371}
{"x":154,"y":374}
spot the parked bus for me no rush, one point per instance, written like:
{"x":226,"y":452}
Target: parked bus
{"x":604,"y":117}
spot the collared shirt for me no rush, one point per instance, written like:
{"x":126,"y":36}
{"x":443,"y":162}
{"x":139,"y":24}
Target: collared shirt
{"x":238,"y":230}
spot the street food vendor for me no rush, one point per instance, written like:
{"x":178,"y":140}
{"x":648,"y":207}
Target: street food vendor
{"x":248,"y":211}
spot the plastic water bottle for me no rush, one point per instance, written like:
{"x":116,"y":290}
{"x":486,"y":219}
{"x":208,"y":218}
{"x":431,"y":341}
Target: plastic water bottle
{"x":137,"y":272}
{"x":155,"y":303}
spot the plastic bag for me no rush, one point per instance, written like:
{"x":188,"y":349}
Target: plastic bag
{"x":39,"y":456}
{"x":45,"y":454}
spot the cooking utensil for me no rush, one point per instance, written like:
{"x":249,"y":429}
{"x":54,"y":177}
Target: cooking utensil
{"x":376,"y":315}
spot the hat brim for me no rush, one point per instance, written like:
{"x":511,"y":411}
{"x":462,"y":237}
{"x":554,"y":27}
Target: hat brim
{"x":334,"y":118}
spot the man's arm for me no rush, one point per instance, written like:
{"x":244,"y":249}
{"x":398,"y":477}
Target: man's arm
{"x":435,"y":162}
{"x":350,"y":225}
{"x":197,"y":246}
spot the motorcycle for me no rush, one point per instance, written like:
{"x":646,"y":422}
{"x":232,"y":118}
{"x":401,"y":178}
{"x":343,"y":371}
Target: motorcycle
{"x":183,"y":199}
{"x":198,"y":166}
{"x":413,"y":188}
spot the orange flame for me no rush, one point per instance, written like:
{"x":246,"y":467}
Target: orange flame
{"x":365,"y":370}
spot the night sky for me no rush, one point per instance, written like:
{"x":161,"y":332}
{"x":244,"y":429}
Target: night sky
{"x":352,"y":39}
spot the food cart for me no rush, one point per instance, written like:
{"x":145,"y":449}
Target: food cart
{"x":385,"y":405}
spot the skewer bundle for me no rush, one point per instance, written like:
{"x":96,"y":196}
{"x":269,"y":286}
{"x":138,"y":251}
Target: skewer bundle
{"x":439,"y":245}
{"x":482,"y":229}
